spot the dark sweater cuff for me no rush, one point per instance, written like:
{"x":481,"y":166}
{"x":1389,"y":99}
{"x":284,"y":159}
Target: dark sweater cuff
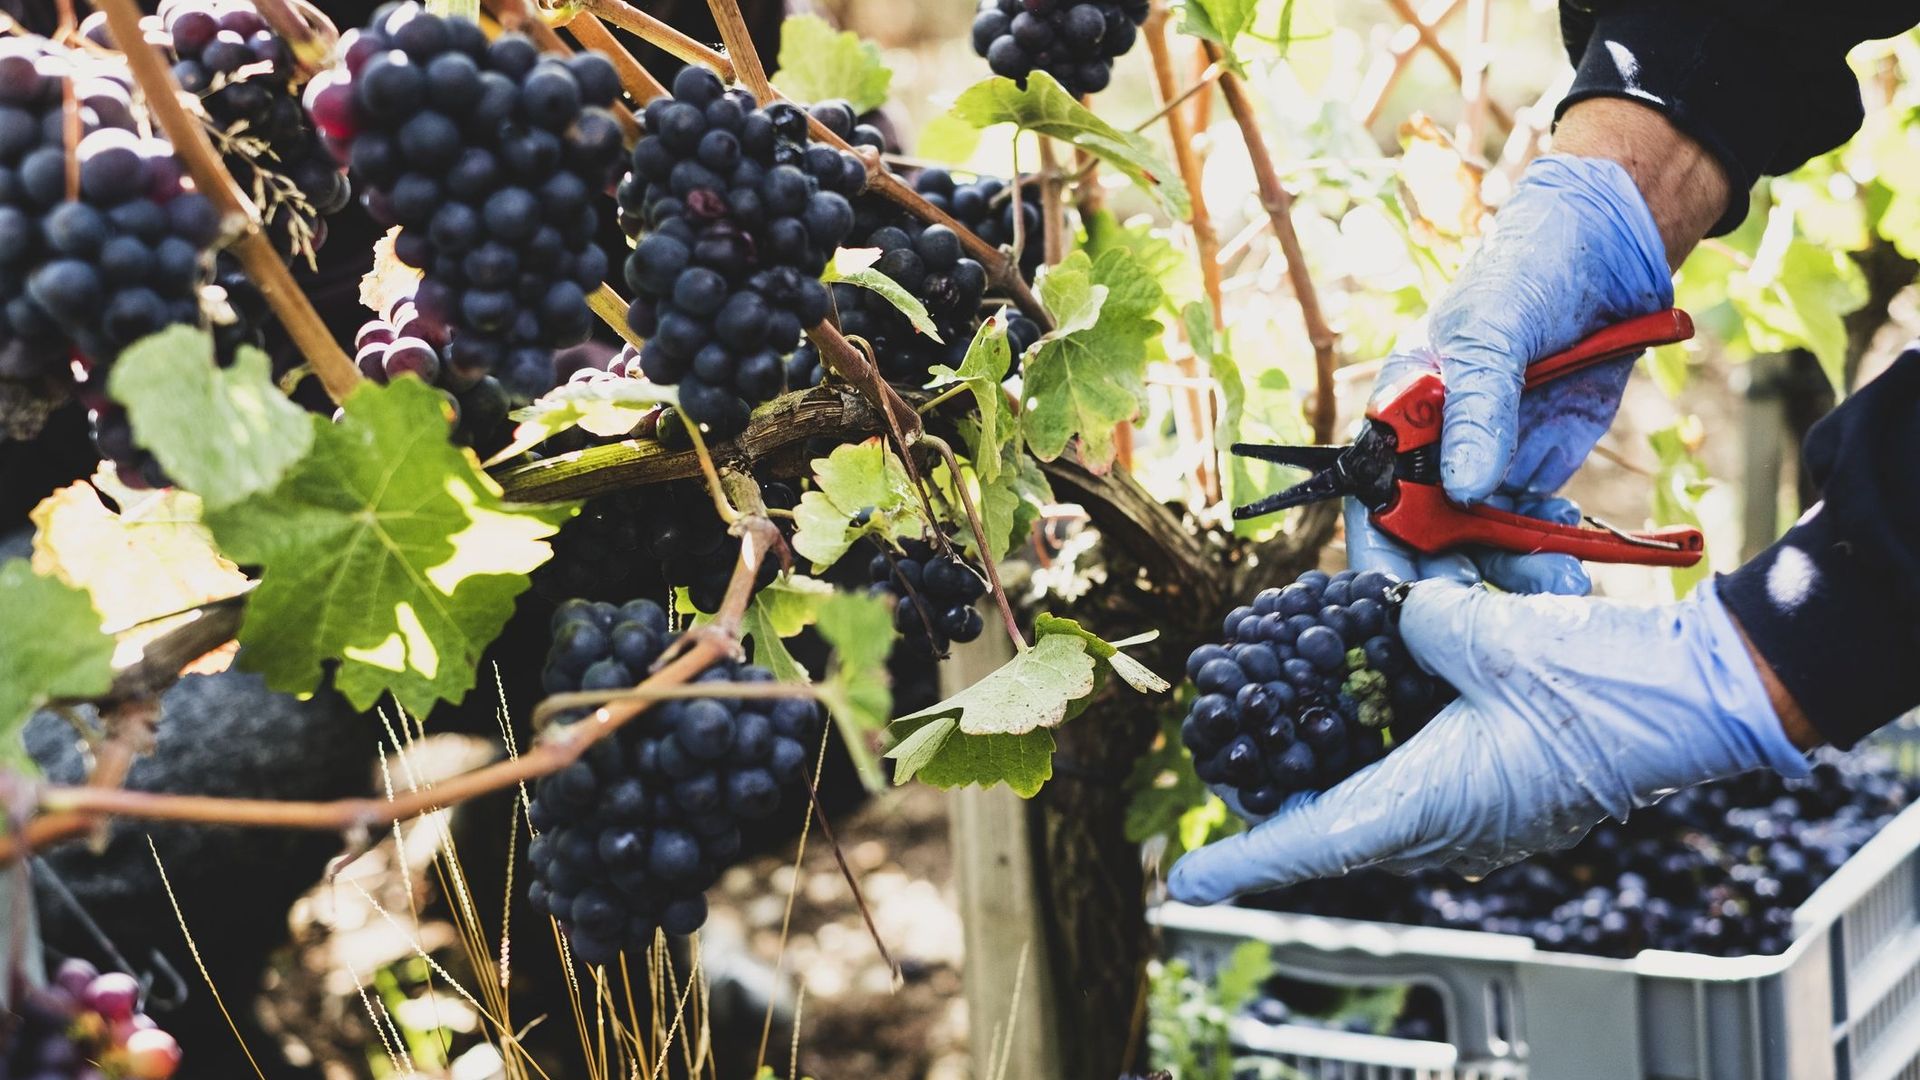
{"x":1712,"y":79}
{"x":1821,"y":613}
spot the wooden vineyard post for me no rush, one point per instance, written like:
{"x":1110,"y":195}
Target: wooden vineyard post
{"x":1000,"y":910}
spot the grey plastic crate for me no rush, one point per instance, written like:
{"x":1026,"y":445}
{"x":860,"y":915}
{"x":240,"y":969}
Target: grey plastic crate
{"x":1843,"y":1003}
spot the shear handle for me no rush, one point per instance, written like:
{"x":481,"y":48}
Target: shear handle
{"x":1422,"y":517}
{"x":1620,"y":339}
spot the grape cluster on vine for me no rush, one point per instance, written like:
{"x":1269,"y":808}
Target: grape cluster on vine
{"x":84,"y":1025}
{"x":740,"y":213}
{"x":1075,"y":41}
{"x":405,"y":342}
{"x":633,"y":834}
{"x":1716,"y":869}
{"x":489,"y":157}
{"x":87,"y":273}
{"x":934,"y":594}
{"x":242,"y":71}
{"x":1311,"y":685}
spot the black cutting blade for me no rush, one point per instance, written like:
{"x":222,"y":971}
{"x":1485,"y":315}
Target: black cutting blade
{"x":1364,"y":470}
{"x":1324,"y":484}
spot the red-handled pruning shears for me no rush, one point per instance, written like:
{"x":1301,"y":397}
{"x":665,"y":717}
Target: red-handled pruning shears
{"x":1393,"y":467}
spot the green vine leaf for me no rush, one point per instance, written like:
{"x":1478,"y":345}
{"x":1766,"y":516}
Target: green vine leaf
{"x":1046,"y":108}
{"x":1218,"y":21}
{"x":385,"y":550}
{"x":1089,"y":373}
{"x":817,"y":63}
{"x":608,"y":408}
{"x":933,"y":751}
{"x":982,"y":370}
{"x":1274,"y":417}
{"x":1801,"y":298}
{"x":859,"y":271}
{"x":1678,"y":486}
{"x":857,"y":691}
{"x":54,"y":647}
{"x":1107,"y":656}
{"x":1011,"y":502}
{"x":225,"y":434}
{"x":855,"y":478}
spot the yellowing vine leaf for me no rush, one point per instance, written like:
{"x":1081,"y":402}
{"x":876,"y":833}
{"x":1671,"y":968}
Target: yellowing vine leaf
{"x":817,"y":62}
{"x":1089,"y":373}
{"x":153,"y":558}
{"x":386,"y":549}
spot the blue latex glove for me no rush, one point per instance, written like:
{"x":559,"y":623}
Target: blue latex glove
{"x":1571,"y":710}
{"x":1574,"y":249}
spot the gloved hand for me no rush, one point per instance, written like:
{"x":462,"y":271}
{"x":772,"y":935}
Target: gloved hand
{"x":1574,"y":249}
{"x":1570,"y":710}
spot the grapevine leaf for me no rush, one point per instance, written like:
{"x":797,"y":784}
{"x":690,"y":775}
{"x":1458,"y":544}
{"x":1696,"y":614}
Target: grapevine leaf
{"x":1107,"y":655}
{"x":1089,"y":374}
{"x":1678,"y":486}
{"x":386,"y":550}
{"x":1046,"y":108}
{"x":947,"y":138}
{"x":769,"y":651}
{"x":146,"y":565}
{"x":1800,"y":298}
{"x":982,"y":370}
{"x":937,"y":753}
{"x":608,"y":408}
{"x":1218,"y":21}
{"x":887,"y":289}
{"x":1149,"y":249}
{"x":54,"y":647}
{"x":1275,"y":417}
{"x":818,"y":63}
{"x":858,"y":691}
{"x":1035,"y":689}
{"x":856,"y":477}
{"x":225,"y":434}
{"x":1162,"y":790}
{"x":1012,"y":501}
{"x":793,"y":602}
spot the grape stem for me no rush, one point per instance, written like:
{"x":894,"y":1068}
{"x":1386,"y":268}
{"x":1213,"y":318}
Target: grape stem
{"x":979,"y":538}
{"x":310,"y":36}
{"x":516,"y":16}
{"x":715,"y":488}
{"x":69,"y":811}
{"x":1278,"y":202}
{"x":255,"y":251}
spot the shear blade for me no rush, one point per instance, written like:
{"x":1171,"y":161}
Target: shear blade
{"x":1321,"y":485}
{"x":1311,"y":458}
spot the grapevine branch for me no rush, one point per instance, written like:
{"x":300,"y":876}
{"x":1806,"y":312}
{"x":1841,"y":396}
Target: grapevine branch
{"x":309,"y":34}
{"x":1430,"y":38}
{"x":1002,"y":271}
{"x":73,"y":810}
{"x":1279,"y":206}
{"x":210,"y":176}
{"x":979,"y":538}
{"x":1197,"y":404}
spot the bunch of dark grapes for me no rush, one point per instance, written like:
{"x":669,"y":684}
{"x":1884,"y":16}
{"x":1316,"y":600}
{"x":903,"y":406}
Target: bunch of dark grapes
{"x":671,"y":528}
{"x":1075,"y":41}
{"x":740,"y":214}
{"x":1716,"y":869}
{"x":82,"y":278}
{"x":984,"y":205}
{"x":84,"y":1026}
{"x":934,"y":595}
{"x":633,"y":834}
{"x":489,"y":157}
{"x":928,"y":262}
{"x":1311,"y":685}
{"x":404,"y":342}
{"x":242,"y":71}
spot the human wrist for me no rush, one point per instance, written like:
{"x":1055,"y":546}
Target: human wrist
{"x":1753,"y":706}
{"x":1793,"y":719}
{"x":1685,"y":187}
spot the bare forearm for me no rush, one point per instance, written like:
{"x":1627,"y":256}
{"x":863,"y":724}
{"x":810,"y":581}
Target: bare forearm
{"x":1685,"y":188}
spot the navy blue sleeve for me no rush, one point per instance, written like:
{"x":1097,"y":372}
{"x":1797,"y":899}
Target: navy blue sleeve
{"x":1834,"y":606}
{"x":1762,"y":84}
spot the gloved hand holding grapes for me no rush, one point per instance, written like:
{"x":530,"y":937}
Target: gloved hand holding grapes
{"x":1570,"y":710}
